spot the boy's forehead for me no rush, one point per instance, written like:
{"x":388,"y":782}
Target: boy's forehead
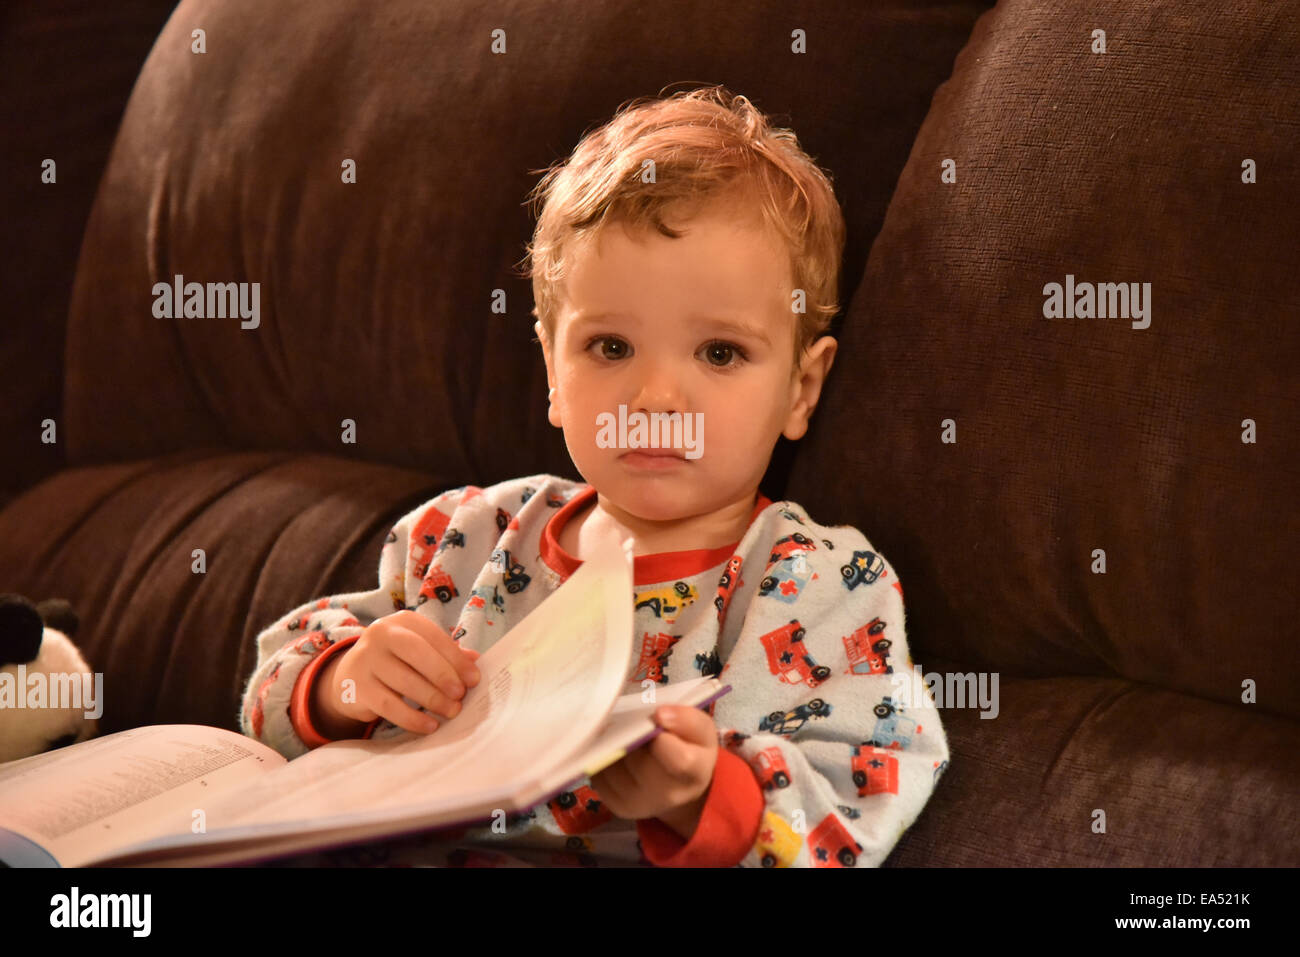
{"x":765,"y":328}
{"x":773,"y":328}
{"x":730,"y":218}
{"x":733,"y":267}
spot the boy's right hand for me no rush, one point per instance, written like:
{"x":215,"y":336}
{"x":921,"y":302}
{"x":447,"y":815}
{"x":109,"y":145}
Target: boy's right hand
{"x":400,"y":654}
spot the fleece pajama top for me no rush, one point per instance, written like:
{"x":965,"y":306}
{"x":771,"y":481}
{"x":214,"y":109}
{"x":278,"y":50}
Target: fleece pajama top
{"x":821,"y":761}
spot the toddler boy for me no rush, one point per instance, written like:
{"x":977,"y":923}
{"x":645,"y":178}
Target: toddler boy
{"x":685,"y":268}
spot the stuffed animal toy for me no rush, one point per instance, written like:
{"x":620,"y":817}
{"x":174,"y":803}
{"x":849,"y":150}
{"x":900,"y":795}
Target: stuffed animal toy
{"x":36,"y":651}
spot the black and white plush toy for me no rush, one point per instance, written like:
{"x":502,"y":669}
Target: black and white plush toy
{"x":38,"y":666}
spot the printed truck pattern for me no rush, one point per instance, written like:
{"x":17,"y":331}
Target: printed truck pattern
{"x":804,"y":621}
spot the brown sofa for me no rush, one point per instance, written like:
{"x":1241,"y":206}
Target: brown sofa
{"x":1000,"y":459}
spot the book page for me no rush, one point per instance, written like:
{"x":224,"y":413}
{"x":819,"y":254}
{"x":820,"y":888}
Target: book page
{"x":545,"y":689}
{"x":631,"y":724}
{"x":628,"y":726}
{"x":85,"y":800}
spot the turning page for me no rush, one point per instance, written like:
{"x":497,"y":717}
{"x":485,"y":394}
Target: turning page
{"x":546,"y":690}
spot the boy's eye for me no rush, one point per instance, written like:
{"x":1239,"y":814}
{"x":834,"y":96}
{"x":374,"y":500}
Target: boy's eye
{"x":718,"y":354}
{"x":620,"y":347}
{"x":723,"y":350}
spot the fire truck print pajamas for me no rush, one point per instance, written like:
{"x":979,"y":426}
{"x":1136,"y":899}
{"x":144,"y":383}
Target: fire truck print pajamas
{"x":820,"y":762}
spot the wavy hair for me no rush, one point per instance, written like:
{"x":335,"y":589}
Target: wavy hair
{"x":706,"y":144}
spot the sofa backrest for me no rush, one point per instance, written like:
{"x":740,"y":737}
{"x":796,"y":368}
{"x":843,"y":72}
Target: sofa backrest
{"x":375,"y":298}
{"x":67,"y":116}
{"x":1086,"y":495}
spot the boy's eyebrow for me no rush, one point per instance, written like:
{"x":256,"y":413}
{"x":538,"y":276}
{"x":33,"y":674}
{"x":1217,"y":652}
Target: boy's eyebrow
{"x":722,"y":323}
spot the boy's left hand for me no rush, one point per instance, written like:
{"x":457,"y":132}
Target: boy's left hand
{"x":669,"y":777}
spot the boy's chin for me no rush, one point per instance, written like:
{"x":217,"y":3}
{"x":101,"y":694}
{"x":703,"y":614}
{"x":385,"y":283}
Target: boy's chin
{"x":657,"y":498}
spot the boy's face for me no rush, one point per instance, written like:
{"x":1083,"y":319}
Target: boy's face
{"x":641,"y":328}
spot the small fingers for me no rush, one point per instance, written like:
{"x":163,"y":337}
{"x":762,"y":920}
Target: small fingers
{"x":439,"y":642}
{"x":392,"y":708}
{"x":399,"y":677}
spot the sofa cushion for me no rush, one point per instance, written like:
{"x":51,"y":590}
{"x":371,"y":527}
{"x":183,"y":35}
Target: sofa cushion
{"x":1082,"y":436}
{"x":176,"y":645}
{"x":1181,"y":781}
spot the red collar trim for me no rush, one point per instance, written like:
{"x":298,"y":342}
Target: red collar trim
{"x":646,"y":569}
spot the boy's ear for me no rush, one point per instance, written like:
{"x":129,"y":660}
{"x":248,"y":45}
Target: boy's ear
{"x":807,"y":385}
{"x":546,"y":349}
{"x":552,"y":412}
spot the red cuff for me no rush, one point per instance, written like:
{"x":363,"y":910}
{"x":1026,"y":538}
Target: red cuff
{"x":300,"y":699}
{"x":729,"y":821}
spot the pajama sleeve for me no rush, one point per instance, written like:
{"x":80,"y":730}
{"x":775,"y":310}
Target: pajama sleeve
{"x":728,"y":819}
{"x":290,"y":652}
{"x":845,"y":747}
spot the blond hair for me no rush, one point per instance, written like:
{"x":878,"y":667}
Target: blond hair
{"x":706,"y":144}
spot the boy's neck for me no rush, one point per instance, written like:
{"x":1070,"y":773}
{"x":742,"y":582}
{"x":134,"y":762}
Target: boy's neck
{"x":583,"y":530}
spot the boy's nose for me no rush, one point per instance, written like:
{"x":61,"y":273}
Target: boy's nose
{"x":659,"y":391}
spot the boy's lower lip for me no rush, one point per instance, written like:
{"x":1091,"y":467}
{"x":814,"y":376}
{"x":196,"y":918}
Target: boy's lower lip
{"x":644,"y":460}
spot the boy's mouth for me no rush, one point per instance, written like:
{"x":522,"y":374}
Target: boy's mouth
{"x":652,"y":458}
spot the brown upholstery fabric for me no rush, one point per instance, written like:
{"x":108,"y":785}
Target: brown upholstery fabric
{"x":66,"y":70}
{"x":1182,"y":782}
{"x":376,"y":297}
{"x":1078,"y":434}
{"x":1118,"y":692}
{"x":186,"y":434}
{"x":276,"y":529}
{"x":1083,"y":434}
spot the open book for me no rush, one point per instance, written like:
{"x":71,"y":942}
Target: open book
{"x":545,"y":712}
